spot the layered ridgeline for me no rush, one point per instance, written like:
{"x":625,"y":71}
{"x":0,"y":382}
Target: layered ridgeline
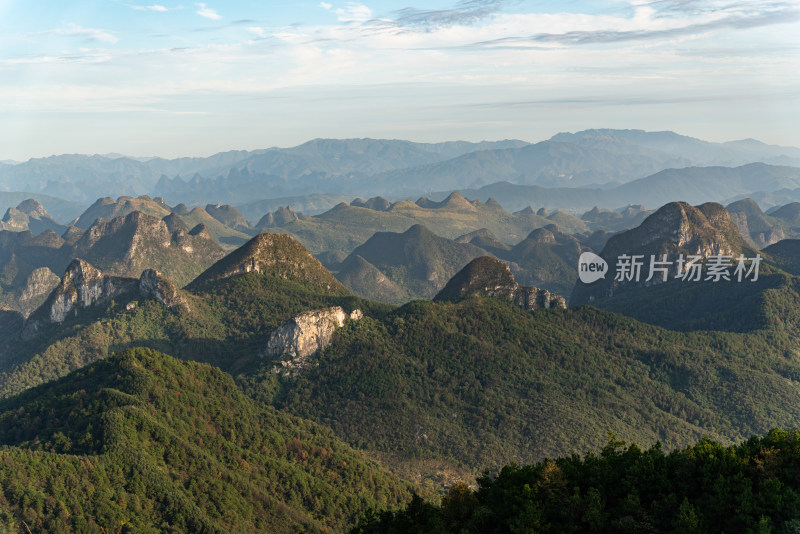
{"x":475,"y":379}
{"x":125,"y":246}
{"x":377,"y":166}
{"x":108,"y":208}
{"x":111,"y":235}
{"x":142,"y":442}
{"x":762,"y":229}
{"x":418,"y":262}
{"x":397,"y":267}
{"x":224,"y":317}
{"x":345,"y":227}
{"x":30,"y":215}
{"x":680,"y":296}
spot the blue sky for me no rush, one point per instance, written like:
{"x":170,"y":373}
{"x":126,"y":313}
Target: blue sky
{"x":191,"y":79}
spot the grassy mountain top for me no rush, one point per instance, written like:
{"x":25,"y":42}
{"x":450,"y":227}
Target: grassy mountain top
{"x":345,"y":227}
{"x":368,"y":281}
{"x":482,"y":272}
{"x":279,"y":255}
{"x":417,"y":260}
{"x":142,"y":442}
{"x":108,"y":208}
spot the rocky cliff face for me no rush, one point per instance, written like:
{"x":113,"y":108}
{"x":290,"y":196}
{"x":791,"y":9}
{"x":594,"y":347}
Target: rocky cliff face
{"x":83,"y":286}
{"x":40,"y":283}
{"x":491,"y":277}
{"x":154,"y":286}
{"x":129,"y":244}
{"x":676,"y":228}
{"x":14,"y":221}
{"x":29,"y":215}
{"x":304,"y":336}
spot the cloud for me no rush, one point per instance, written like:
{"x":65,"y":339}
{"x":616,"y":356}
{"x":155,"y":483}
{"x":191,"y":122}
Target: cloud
{"x":260,"y":32}
{"x":207,"y":12}
{"x":155,"y":7}
{"x":90,"y":34}
{"x":788,"y":14}
{"x":692,"y":8}
{"x":351,"y":12}
{"x":464,"y":12}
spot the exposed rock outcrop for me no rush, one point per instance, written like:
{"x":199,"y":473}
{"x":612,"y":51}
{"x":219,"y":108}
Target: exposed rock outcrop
{"x":29,"y":215}
{"x":304,"y":336}
{"x":40,"y":283}
{"x":129,"y":244}
{"x":14,"y":221}
{"x":676,"y":228}
{"x":280,"y":217}
{"x":491,"y":277}
{"x":153,"y":285}
{"x":83,"y":286}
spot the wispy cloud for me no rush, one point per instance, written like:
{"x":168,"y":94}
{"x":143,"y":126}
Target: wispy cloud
{"x":90,"y":34}
{"x":782,"y":14}
{"x":155,"y":7}
{"x":519,"y":64}
{"x":464,"y":12}
{"x":351,"y":12}
{"x":693,"y":8}
{"x":206,"y":12}
{"x":260,"y":32}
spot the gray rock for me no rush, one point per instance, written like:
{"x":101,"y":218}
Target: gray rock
{"x":304,"y":336}
{"x":40,"y":283}
{"x":83,"y":286}
{"x":491,"y":277}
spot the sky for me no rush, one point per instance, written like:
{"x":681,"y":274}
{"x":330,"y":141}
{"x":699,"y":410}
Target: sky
{"x":192,"y":79}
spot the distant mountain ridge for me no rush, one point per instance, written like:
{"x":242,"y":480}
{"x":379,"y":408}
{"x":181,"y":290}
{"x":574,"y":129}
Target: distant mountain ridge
{"x":380,"y":166}
{"x":690,"y":184}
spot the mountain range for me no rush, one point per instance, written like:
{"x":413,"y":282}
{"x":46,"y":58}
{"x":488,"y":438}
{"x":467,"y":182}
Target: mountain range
{"x":173,"y":367}
{"x":592,"y":158}
{"x":490,"y":372}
